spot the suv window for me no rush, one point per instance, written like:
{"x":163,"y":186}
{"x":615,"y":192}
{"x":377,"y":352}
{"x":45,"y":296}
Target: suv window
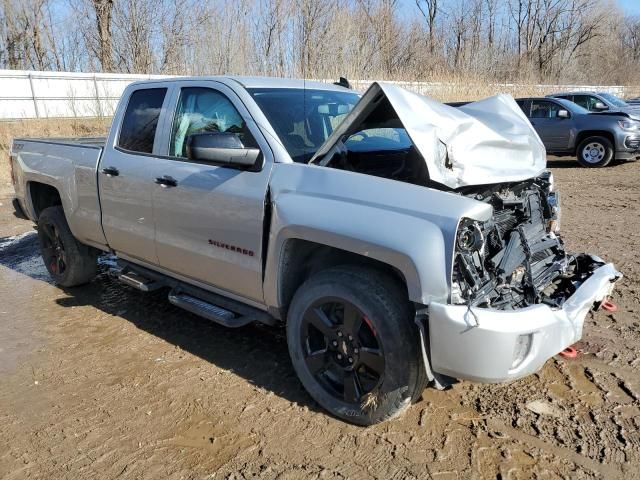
{"x":544,"y":109}
{"x":523,"y":105}
{"x":141,"y":120}
{"x":203,"y":110}
{"x":586,"y":101}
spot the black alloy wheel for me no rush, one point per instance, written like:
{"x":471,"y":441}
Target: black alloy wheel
{"x":341,"y":349}
{"x":53,"y":254}
{"x":354,"y":343}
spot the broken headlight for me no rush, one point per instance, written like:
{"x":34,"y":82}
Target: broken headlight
{"x":469,"y":238}
{"x":469,"y":260}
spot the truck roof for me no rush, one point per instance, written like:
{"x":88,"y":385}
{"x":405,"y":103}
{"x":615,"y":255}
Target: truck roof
{"x":257,"y":82}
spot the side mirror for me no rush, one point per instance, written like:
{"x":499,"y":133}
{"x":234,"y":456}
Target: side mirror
{"x":563,"y":114}
{"x":224,"y":148}
{"x":600,"y":106}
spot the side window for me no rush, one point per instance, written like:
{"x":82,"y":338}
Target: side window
{"x":544,"y":109}
{"x":202,"y":110}
{"x":141,"y":120}
{"x":523,"y":106}
{"x":586,"y":101}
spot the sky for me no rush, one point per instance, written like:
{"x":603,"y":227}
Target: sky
{"x":630,"y":6}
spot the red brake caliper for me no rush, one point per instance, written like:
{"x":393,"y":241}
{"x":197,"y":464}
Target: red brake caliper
{"x":370,"y":325}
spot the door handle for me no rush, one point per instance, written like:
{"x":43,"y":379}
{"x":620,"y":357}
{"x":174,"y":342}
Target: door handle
{"x":111,"y":171}
{"x":166,"y":181}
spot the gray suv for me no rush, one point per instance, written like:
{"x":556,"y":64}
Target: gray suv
{"x":599,"y":102}
{"x":567,"y":129}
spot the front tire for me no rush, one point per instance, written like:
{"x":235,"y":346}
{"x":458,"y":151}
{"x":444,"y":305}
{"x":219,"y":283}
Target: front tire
{"x":68,"y":261}
{"x":354,"y":344}
{"x":595,"y":152}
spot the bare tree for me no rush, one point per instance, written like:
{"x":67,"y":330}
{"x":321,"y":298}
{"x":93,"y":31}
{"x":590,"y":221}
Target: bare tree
{"x":104,"y":12}
{"x":484,"y":40}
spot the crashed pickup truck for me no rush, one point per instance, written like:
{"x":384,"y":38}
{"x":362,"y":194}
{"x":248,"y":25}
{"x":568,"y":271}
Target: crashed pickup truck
{"x":400,"y":241}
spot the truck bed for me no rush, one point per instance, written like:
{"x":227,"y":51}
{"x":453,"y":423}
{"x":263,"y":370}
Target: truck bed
{"x":69,"y":165}
{"x":71,"y":141}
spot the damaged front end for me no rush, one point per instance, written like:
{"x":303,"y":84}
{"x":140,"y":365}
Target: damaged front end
{"x":517,"y":258}
{"x":517,"y":297}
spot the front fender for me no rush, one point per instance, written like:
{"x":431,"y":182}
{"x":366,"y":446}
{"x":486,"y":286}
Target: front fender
{"x":408,"y":227}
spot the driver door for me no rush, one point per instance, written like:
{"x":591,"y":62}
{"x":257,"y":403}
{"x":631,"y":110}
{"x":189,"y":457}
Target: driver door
{"x":209,"y":218}
{"x":553,"y":131}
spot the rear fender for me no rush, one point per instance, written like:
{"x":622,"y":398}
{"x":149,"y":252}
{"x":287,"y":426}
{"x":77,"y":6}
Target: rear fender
{"x":71,"y":170}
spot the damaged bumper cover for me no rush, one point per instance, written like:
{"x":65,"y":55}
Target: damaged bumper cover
{"x":491,"y":346}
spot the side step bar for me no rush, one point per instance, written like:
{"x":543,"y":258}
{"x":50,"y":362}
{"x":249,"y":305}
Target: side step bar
{"x":208,"y":310}
{"x":138,"y":281}
{"x":212,"y":306}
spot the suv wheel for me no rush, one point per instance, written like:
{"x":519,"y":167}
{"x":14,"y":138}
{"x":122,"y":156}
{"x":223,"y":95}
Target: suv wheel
{"x":68,"y":261}
{"x":354,"y":344}
{"x":595,"y":152}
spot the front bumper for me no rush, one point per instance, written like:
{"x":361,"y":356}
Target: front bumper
{"x":629,"y":148}
{"x":480,"y":344}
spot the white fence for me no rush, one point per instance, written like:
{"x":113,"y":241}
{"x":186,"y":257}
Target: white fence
{"x":27,"y":94}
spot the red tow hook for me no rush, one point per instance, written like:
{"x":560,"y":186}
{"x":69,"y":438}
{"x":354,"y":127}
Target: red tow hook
{"x":569,"y":352}
{"x":609,"y":306}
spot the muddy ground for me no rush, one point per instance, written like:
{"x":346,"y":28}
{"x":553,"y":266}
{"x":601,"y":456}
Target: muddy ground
{"x":105,"y":382}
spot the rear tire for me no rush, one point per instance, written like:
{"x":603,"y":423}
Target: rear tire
{"x":68,"y":261}
{"x":595,"y":152}
{"x":354,"y":344}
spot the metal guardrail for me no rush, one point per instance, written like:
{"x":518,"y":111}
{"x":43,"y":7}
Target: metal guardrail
{"x":37,"y":94}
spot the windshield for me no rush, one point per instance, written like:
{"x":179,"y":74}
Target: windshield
{"x":615,"y":101}
{"x":303,"y":119}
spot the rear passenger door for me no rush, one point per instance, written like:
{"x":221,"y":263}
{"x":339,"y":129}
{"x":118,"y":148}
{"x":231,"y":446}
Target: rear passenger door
{"x":124,"y":173}
{"x":210,"y":220}
{"x":553,"y":130}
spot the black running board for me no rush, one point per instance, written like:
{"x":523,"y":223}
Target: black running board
{"x":208,"y":310}
{"x":215,"y":312}
{"x":139,"y":282}
{"x":212,"y":306}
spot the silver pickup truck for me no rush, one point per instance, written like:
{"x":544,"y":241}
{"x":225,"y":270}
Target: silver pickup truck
{"x":401,"y":241}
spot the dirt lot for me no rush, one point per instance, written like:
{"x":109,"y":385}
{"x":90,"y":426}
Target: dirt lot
{"x":105,"y":382}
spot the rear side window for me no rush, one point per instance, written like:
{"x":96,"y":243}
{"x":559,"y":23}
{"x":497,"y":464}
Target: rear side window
{"x":141,"y":120}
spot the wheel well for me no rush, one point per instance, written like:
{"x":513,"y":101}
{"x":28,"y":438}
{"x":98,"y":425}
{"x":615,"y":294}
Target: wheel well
{"x":43,"y":196}
{"x":594,"y":133}
{"x":301,"y":259}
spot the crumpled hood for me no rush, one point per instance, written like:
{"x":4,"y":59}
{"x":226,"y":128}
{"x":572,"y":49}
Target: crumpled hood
{"x":489,"y":141}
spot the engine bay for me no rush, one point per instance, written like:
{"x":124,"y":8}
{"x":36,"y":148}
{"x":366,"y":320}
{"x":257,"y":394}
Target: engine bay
{"x":517,"y":258}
